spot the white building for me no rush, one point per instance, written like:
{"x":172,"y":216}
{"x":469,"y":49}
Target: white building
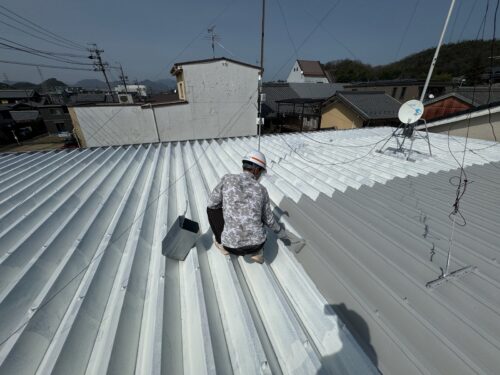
{"x":139,"y":90}
{"x":307,"y":71}
{"x":217,"y":98}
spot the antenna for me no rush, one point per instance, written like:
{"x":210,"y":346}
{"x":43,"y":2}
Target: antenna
{"x":409,"y":114}
{"x":213,"y":37}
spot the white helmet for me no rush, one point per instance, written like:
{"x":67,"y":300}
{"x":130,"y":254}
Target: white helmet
{"x":256,"y":157}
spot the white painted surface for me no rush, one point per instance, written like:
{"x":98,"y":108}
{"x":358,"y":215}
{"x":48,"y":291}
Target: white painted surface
{"x":297,"y":76}
{"x":221,"y":97}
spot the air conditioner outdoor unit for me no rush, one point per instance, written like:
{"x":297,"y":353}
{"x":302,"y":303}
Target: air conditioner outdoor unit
{"x":125,"y":99}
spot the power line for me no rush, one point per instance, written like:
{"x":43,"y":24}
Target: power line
{"x":338,"y":163}
{"x":232,"y":121}
{"x":41,"y":54}
{"x":41,"y":29}
{"x":287,"y":30}
{"x":407,"y":28}
{"x":44,"y":65}
{"x":38,"y":36}
{"x":99,"y":64}
{"x":51,"y":53}
{"x":467,"y":20}
{"x":325,"y":16}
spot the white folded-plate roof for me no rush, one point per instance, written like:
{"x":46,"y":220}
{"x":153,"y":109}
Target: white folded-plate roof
{"x":84,"y":287}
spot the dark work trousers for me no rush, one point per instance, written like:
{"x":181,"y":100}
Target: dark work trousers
{"x":216,"y":220}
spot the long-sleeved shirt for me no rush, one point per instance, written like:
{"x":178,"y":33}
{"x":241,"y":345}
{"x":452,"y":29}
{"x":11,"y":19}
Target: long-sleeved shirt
{"x":245,"y":206}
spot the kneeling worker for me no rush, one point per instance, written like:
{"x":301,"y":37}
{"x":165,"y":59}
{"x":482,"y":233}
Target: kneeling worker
{"x":239,"y":207}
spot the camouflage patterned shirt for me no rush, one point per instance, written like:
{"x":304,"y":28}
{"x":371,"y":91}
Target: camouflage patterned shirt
{"x":245,"y":206}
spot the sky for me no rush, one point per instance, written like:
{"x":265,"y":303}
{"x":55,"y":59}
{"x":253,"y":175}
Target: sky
{"x":147,"y":37}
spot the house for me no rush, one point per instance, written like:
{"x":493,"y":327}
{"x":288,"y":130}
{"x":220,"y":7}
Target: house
{"x":307,"y":71}
{"x":401,"y":90}
{"x":460,"y":99}
{"x":86,"y":288}
{"x":217,"y":98}
{"x":295,"y":106}
{"x":19,"y":96}
{"x":357,"y":109}
{"x":482,"y":122}
{"x":7,"y":124}
{"x":56,"y":118}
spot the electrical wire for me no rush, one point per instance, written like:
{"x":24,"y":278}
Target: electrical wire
{"x":467,"y":20}
{"x":44,"y":65}
{"x":41,"y":29}
{"x":287,"y":30}
{"x":39,"y":37}
{"x":51,"y":53}
{"x":231,"y":123}
{"x":347,"y":146}
{"x":338,"y":163}
{"x":54,"y":58}
{"x":323,"y":19}
{"x":407,"y":28}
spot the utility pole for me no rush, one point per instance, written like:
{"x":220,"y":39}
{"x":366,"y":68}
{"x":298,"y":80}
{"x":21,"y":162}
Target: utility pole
{"x":99,"y":66}
{"x":261,"y":72}
{"x":124,"y":79}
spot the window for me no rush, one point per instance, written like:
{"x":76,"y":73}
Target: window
{"x":60,"y":127}
{"x":394,"y":91}
{"x":182,"y":93}
{"x":403,"y":92}
{"x":55,"y":111}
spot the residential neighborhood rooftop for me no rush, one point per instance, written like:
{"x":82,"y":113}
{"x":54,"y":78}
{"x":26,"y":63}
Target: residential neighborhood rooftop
{"x":311,"y":68}
{"x":84,"y":286}
{"x":368,"y":104}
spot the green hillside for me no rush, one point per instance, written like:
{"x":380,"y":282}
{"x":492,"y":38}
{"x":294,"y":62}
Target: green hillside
{"x":469,"y":59}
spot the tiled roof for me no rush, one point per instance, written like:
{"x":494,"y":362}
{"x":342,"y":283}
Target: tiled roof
{"x":315,"y":90}
{"x":22,"y":116}
{"x":369,"y":104}
{"x":280,"y":91}
{"x":16,"y":94}
{"x":311,"y":68}
{"x":84,"y":287}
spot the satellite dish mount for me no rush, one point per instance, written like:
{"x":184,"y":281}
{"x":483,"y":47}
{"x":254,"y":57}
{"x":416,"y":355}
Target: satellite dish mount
{"x":409,"y":114}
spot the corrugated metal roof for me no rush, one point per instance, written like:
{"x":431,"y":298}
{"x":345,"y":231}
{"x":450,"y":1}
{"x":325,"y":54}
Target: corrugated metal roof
{"x":84,"y":287}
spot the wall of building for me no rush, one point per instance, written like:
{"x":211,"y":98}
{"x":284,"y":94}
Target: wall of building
{"x":56,"y":119}
{"x":221,"y":102}
{"x":479,"y":127}
{"x":297,"y":76}
{"x":340,"y":116}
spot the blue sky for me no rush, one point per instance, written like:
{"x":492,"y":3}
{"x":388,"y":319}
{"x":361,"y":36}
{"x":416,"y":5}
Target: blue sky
{"x":148,"y":36}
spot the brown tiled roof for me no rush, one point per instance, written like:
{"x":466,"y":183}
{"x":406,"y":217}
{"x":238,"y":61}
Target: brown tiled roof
{"x":311,"y":68}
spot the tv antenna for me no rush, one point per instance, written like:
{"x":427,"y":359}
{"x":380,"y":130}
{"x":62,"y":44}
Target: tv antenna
{"x":213,"y":37}
{"x":409,"y":114}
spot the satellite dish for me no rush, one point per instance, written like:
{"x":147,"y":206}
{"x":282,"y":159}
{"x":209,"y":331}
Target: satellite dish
{"x":411,"y":111}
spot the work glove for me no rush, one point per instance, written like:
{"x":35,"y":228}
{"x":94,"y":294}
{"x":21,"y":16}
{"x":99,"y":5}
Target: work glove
{"x":283,"y":234}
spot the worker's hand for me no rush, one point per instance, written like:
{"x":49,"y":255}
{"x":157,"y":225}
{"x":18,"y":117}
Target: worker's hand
{"x":282,"y":234}
{"x":286,"y":241}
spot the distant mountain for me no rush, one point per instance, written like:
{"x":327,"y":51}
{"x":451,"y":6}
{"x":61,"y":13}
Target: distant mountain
{"x":469,"y":59}
{"x":52,"y":83}
{"x":156,"y":87}
{"x":4,"y":86}
{"x":24,"y":86}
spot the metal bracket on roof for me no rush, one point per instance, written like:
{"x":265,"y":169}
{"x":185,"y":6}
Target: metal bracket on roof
{"x":401,"y":134}
{"x":451,"y":276}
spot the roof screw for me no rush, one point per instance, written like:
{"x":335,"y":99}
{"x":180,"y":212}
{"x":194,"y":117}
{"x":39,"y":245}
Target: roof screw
{"x":264,"y":365}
